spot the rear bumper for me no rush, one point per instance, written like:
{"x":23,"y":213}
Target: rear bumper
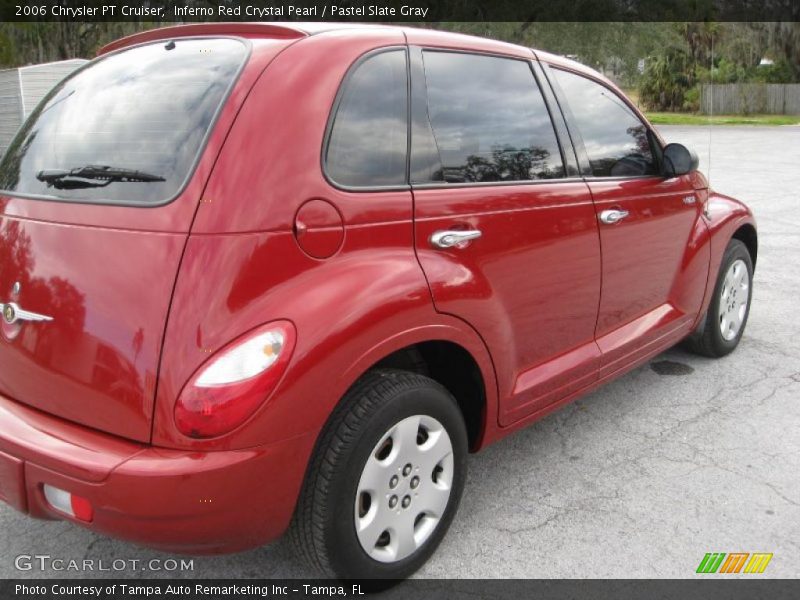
{"x":174,"y":500}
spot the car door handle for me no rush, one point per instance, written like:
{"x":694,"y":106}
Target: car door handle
{"x":450,"y":238}
{"x":609,"y":217}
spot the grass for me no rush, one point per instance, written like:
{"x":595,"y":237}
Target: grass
{"x":677,"y":118}
{"x":669,"y":118}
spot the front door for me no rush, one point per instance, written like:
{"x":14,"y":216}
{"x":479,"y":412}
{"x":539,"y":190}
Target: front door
{"x":646,"y":222}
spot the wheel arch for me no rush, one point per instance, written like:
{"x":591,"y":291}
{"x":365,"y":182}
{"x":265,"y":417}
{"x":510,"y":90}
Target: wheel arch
{"x":746,"y":233}
{"x":453,"y":356}
{"x":452,"y":366}
{"x":726,"y":219}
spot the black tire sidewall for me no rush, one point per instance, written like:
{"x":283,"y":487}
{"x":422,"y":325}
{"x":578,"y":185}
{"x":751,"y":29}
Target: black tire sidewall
{"x":736,"y":250}
{"x":346,"y":555}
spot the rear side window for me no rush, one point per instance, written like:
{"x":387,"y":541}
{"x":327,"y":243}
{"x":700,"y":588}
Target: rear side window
{"x":489,"y":120}
{"x":616,"y":140}
{"x":368,"y":142}
{"x":127,"y":128}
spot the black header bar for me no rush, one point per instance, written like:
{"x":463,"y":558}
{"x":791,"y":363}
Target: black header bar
{"x":430,"y":11}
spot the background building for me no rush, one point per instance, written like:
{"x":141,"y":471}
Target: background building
{"x":21,"y":90}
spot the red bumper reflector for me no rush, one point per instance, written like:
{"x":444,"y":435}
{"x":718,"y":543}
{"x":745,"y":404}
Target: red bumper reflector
{"x":69,"y":504}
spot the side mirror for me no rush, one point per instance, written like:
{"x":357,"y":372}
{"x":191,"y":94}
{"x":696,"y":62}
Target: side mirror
{"x":679,"y":160}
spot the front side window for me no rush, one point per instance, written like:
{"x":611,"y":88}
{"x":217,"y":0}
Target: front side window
{"x":368,"y":141}
{"x":616,"y":140}
{"x":490,"y":122}
{"x":127,"y":128}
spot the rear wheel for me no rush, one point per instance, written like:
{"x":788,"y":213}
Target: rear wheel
{"x":385,"y":480}
{"x":722,"y":328}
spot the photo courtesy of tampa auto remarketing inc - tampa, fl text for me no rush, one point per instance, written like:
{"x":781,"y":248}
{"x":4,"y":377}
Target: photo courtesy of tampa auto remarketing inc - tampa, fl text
{"x":403,"y":299}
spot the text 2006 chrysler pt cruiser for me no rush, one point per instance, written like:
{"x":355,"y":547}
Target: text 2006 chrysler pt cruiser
{"x":255,"y":276}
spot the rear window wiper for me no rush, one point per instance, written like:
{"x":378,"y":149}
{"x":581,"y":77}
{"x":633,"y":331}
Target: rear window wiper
{"x":93,"y":176}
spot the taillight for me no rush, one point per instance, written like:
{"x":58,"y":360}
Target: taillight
{"x":229,"y":387}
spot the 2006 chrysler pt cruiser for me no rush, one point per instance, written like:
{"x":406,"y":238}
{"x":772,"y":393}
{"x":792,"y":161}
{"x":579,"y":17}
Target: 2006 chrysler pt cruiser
{"x":269,"y":277}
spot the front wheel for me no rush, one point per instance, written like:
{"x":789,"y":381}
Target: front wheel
{"x":722,"y":328}
{"x":385,"y":480}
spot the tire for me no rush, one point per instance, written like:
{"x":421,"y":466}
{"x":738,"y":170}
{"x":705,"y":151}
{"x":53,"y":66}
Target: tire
{"x":721,"y":329}
{"x":363,"y":451}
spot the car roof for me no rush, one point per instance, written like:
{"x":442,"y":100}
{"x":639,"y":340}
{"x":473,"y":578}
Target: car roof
{"x":562,"y":61}
{"x":301,"y":29}
{"x":284,"y":29}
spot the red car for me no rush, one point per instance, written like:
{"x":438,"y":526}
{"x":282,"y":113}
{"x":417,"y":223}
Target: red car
{"x":259,"y":277}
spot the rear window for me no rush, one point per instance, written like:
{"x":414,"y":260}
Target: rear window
{"x":125,"y":129}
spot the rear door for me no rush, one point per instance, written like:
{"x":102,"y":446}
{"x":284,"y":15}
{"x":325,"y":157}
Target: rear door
{"x":97,"y":199}
{"x":505,"y":232}
{"x":646,"y":222}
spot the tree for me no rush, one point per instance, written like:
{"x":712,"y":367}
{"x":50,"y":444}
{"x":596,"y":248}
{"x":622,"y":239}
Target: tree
{"x":784,"y":44}
{"x":667,"y":78}
{"x":597,"y":44}
{"x":37,"y":42}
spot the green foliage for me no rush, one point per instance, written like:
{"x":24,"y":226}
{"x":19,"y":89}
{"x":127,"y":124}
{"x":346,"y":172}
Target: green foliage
{"x":37,"y":42}
{"x":784,"y":44}
{"x":612,"y":47}
{"x":691,"y":99}
{"x":666,"y":80}
{"x":718,"y":53}
{"x":724,"y":71}
{"x":779,"y":72}
{"x":672,"y":118}
{"x":7,"y":53}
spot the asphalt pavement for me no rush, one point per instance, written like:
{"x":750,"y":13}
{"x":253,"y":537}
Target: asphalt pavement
{"x":683,"y":456}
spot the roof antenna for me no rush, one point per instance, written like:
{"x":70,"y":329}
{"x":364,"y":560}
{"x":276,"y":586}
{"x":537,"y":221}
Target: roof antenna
{"x":710,"y":108}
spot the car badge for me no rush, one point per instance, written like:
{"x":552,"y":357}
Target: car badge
{"x":13,"y":313}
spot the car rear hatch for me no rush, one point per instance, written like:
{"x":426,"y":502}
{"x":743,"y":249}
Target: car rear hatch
{"x":98,"y":192}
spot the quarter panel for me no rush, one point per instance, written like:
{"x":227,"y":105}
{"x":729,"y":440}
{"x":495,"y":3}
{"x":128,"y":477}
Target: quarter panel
{"x":350,"y":311}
